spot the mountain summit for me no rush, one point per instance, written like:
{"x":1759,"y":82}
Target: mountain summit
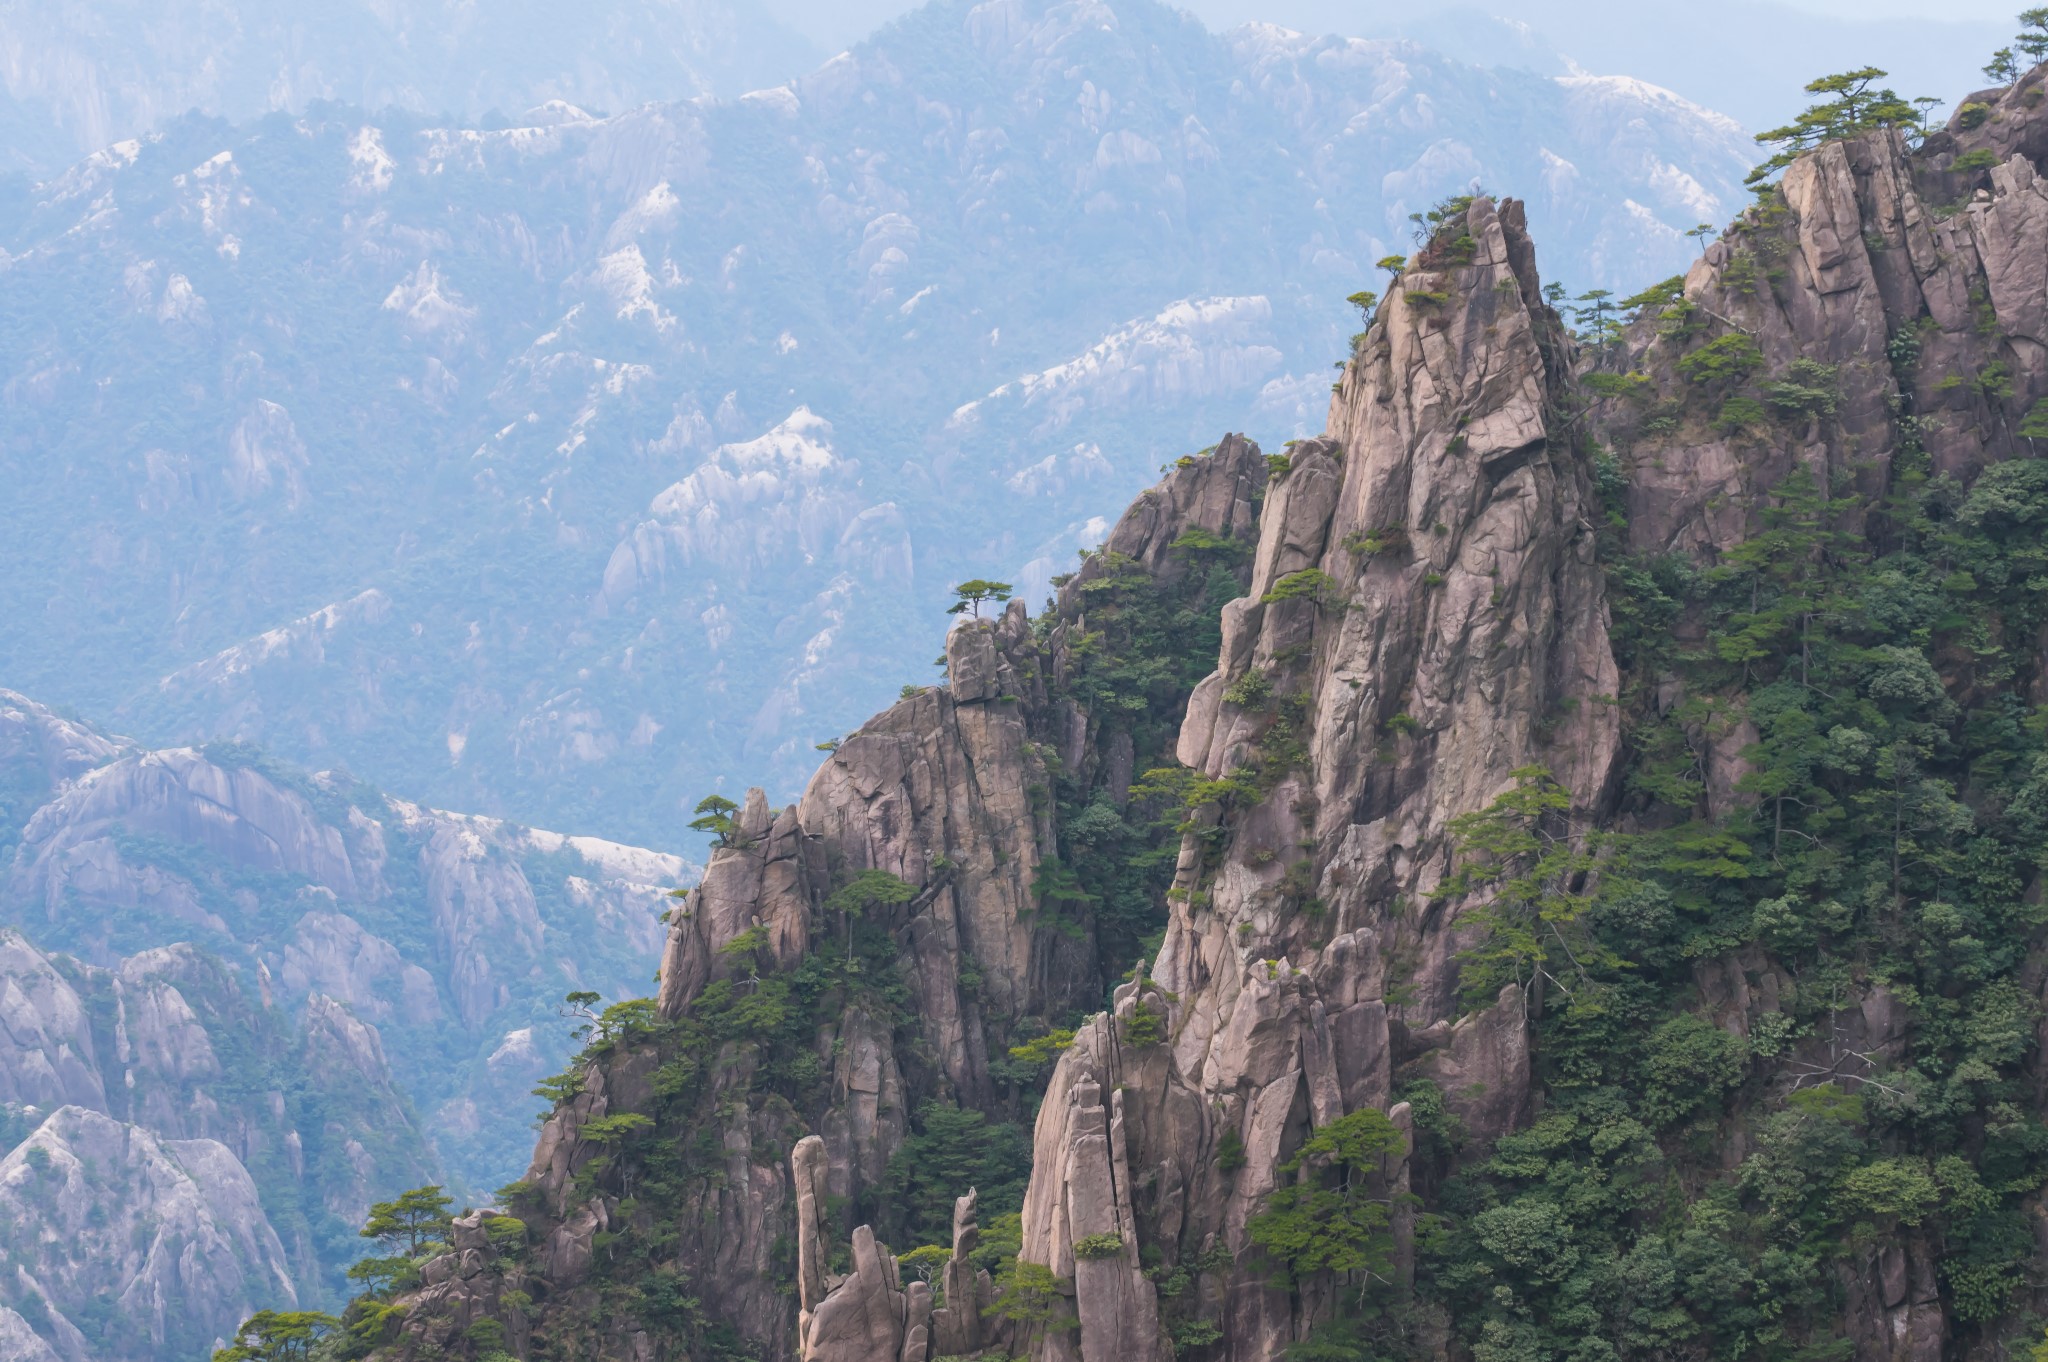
{"x":1562,"y":848}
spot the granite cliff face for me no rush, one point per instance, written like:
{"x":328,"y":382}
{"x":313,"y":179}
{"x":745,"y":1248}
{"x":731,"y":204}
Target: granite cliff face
{"x":452,"y":936}
{"x":1481,"y":617}
{"x":1602,"y":862}
{"x":164,"y":1239}
{"x":1422,"y":669}
{"x":187,"y":1159}
{"x":303,"y":995}
{"x":949,"y":797}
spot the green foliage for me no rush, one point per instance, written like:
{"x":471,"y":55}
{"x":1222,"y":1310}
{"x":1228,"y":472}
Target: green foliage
{"x":1539,"y":875}
{"x":411,"y":1220}
{"x":1806,"y":388}
{"x":1657,"y":300}
{"x":1616,"y":385}
{"x":972,"y":593}
{"x":605,"y":1130}
{"x":1856,"y":105}
{"x":1146,"y":1027}
{"x":2033,"y":35}
{"x":1206,"y":545}
{"x":1890,"y":820}
{"x":1045,"y":1049}
{"x":1106,"y":1245}
{"x":715,"y":816}
{"x":1596,"y":317}
{"x":864,"y":895}
{"x":1310,"y":584}
{"x":1029,"y":1296}
{"x":2035,"y":424}
{"x":1328,"y":1219}
{"x":1739,"y":413}
{"x":1725,"y":359}
{"x":1970,"y":162}
{"x":1145,"y":646}
{"x":386,"y":1276}
{"x":925,"y":1262}
{"x":1688,"y":1064}
{"x":1385,"y":541}
{"x":1230,"y":1155}
{"x":1250,"y":691}
{"x":953,"y":1149}
{"x":278,"y":1336}
{"x":507,"y":1233}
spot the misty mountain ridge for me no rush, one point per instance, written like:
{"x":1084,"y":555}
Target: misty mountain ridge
{"x":558,"y":471}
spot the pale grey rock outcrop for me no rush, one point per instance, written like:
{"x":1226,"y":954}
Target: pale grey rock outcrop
{"x":944,"y":791}
{"x":60,"y":750}
{"x":330,"y":953}
{"x":157,"y":1054}
{"x":126,"y":843}
{"x":486,"y":923}
{"x":1425,"y":618}
{"x":1450,"y":521}
{"x":472,"y":1282}
{"x":865,"y":1316}
{"x":342,"y":1055}
{"x":1870,"y":241}
{"x":963,"y":1325}
{"x":234,"y":812}
{"x":170,"y":1232}
{"x":46,"y":1050}
{"x":20,"y":1343}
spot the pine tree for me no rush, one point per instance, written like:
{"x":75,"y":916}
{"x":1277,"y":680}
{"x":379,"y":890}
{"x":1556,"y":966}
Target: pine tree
{"x":413,"y":1219}
{"x":1857,"y":105}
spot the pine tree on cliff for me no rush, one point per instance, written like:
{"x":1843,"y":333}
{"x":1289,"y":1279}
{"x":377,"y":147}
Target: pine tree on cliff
{"x":414,"y":1219}
{"x":278,"y":1336}
{"x":1857,"y":105}
{"x":972,"y":593}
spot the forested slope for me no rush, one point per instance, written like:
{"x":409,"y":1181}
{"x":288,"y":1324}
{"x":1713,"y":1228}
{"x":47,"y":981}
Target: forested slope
{"x":1570,"y":841}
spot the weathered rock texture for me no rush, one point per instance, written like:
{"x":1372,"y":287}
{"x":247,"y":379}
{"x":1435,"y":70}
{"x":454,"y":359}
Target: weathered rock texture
{"x":1424,"y":618}
{"x":1451,"y":520}
{"x":170,"y":1233}
{"x":166,"y":1046}
{"x":419,"y":923}
{"x":1871,"y":243}
{"x":947,"y":792}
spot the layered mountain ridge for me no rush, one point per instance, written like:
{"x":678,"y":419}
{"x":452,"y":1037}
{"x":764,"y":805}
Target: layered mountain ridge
{"x":517,"y":467}
{"x":239,"y":1004}
{"x":1599,"y":884}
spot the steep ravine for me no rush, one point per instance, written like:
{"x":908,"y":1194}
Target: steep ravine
{"x":1609,"y":841}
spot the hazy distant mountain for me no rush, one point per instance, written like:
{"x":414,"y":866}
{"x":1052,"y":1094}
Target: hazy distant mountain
{"x":77,"y":77}
{"x":562,"y":470}
{"x":239,"y":1003}
{"x":1749,"y":58}
{"x":328,"y":927}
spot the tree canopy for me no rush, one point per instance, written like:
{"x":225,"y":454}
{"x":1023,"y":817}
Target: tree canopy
{"x":412,"y":1220}
{"x":278,"y":1336}
{"x":973,"y":592}
{"x":1855,"y":103}
{"x":715,"y":816}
